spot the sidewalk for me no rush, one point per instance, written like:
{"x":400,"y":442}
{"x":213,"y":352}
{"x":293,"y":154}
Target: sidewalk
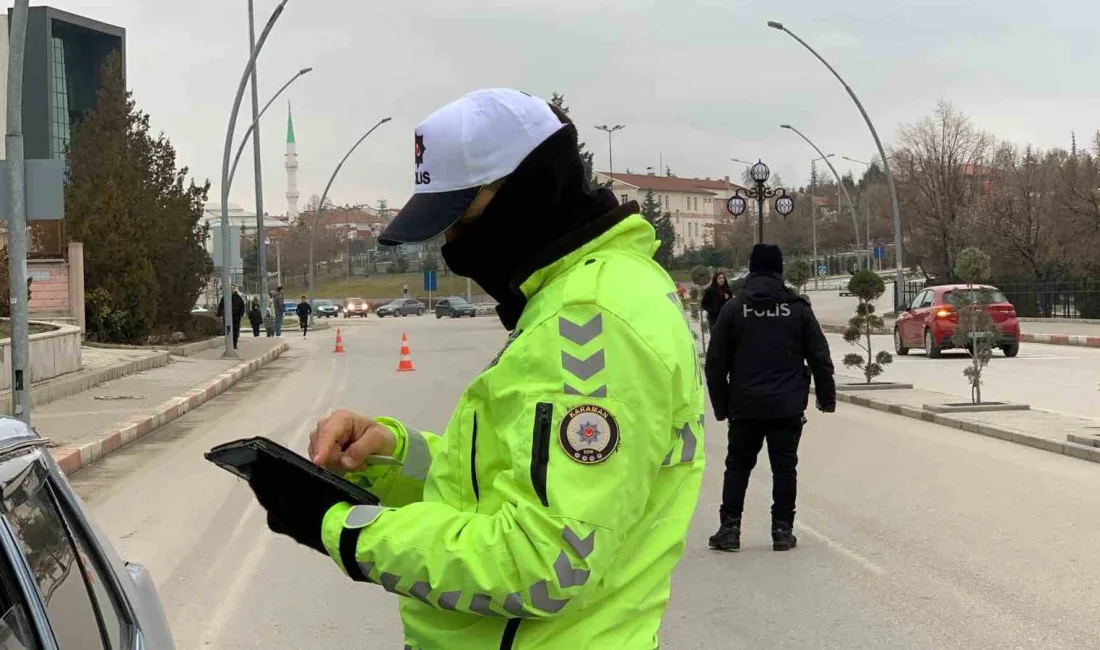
{"x":83,"y":427}
{"x":1034,"y":428}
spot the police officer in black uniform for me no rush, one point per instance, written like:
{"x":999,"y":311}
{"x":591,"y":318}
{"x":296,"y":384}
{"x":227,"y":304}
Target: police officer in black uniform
{"x":758,"y":379}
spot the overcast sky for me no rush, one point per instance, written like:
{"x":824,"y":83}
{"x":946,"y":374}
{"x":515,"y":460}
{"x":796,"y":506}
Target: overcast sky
{"x":694,"y":82}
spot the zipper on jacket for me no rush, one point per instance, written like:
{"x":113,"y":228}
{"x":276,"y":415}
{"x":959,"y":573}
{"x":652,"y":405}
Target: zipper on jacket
{"x":510,"y":631}
{"x":540,"y":449}
{"x":473,"y":460}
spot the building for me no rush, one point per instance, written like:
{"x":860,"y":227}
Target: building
{"x":291,"y":169}
{"x":694,"y":204}
{"x":63,"y":57}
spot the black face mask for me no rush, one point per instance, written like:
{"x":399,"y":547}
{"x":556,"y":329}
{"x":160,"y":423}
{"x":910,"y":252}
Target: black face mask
{"x":538,"y":215}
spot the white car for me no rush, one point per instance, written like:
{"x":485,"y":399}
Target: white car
{"x":63,"y":585}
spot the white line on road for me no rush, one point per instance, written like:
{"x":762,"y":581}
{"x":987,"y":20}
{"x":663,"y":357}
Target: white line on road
{"x":843,"y":550}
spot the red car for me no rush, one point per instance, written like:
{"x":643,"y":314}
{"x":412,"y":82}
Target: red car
{"x":930,"y":320}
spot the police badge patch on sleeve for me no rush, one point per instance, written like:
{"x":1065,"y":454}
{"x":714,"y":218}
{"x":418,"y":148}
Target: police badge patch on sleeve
{"x":589,"y":434}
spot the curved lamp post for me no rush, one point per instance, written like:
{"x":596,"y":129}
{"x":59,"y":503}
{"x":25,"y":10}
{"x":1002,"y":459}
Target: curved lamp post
{"x":738,"y":203}
{"x":324,"y":196}
{"x":227,"y":297}
{"x":839,"y":182}
{"x":610,"y":161}
{"x":256,"y":122}
{"x":881,"y":152}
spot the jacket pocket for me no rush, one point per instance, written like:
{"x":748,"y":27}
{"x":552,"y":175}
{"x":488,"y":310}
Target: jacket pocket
{"x":473,"y":460}
{"x":540,"y":449}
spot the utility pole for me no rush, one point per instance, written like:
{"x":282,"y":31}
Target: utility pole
{"x":261,"y":239}
{"x":17,"y":218}
{"x":610,"y":161}
{"x":813,"y":217}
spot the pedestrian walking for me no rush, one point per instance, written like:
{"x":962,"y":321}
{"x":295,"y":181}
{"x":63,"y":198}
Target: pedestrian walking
{"x":758,"y":379}
{"x":238,"y":309}
{"x":562,"y":536}
{"x":715,"y":296}
{"x":278,"y":303}
{"x":255,"y":318}
{"x":304,"y":309}
{"x":269,"y":322}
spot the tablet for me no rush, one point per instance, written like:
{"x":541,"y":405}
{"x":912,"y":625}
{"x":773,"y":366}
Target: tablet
{"x":240,"y":456}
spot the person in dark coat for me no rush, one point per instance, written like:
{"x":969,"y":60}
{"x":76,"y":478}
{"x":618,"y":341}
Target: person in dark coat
{"x":304,"y":310}
{"x":255,"y":318}
{"x":238,"y":314}
{"x":758,"y":379}
{"x":715,"y":296}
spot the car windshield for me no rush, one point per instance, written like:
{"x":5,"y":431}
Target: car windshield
{"x":324,"y":303}
{"x":990,"y":296}
{"x":457,"y":302}
{"x":395,"y":303}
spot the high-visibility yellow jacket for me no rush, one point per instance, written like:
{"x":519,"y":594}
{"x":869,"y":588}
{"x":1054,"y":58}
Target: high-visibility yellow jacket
{"x":552,"y":511}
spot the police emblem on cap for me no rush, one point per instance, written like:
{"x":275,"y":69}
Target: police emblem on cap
{"x":589,"y":434}
{"x":419,"y":150}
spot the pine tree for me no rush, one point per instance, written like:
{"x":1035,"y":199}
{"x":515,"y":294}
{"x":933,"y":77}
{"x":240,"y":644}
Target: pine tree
{"x":662,"y":223}
{"x":557,"y":100}
{"x":145,"y":264}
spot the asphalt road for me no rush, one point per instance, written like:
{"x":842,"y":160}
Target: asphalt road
{"x":911,"y":535}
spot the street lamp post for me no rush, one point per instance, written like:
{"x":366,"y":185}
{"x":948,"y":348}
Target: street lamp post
{"x":261,"y":252}
{"x":840,"y":184}
{"x":813,"y":210}
{"x":866,"y":213}
{"x":610,"y":161}
{"x":738,"y":203}
{"x":227,"y":298}
{"x":881,"y":152}
{"x":17,"y":218}
{"x":252,"y":127}
{"x":324,"y":196}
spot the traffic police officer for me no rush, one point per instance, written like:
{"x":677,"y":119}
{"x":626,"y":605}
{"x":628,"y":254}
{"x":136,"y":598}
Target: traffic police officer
{"x":554,"y":507}
{"x":758,"y":378}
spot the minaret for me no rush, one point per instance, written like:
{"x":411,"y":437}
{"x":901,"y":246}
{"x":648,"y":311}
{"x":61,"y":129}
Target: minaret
{"x":291,"y":169}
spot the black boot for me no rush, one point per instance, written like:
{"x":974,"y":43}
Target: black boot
{"x":728,"y":537}
{"x":783,"y":538}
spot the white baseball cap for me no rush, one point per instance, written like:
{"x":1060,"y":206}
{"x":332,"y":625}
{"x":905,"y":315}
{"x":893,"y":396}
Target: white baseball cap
{"x":469,"y":143}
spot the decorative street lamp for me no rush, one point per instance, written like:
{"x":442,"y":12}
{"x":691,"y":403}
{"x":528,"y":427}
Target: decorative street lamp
{"x":738,"y":203}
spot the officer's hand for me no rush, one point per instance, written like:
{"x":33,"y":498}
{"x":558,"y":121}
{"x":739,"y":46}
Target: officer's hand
{"x":343,"y":441}
{"x":826,"y":408}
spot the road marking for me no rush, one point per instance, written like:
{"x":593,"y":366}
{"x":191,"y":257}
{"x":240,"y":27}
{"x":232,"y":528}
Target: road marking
{"x":843,"y":550}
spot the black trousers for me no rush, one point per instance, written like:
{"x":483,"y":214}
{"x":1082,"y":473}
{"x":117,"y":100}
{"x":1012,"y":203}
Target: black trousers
{"x":746,"y":437}
{"x":236,"y":332}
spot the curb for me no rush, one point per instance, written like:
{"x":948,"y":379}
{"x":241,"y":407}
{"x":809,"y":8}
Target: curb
{"x":1076,"y":340}
{"x":60,"y":388}
{"x":1001,"y":433}
{"x":72,"y":459}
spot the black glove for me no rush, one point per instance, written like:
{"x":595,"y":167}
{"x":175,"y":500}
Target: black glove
{"x":829,"y":407}
{"x":296,"y":504}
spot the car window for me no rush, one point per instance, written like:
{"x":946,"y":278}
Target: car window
{"x":54,"y":559}
{"x":929,"y":299}
{"x":16,"y":631}
{"x":991,"y":296}
{"x":918,"y":301}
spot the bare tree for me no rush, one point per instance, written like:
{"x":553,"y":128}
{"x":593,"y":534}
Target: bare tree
{"x":941,"y":163}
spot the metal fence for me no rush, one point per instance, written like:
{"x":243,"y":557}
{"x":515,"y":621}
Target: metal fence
{"x":1078,"y":298}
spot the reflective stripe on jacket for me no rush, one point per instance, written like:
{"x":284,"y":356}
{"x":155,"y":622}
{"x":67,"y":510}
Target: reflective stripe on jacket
{"x":552,"y":511}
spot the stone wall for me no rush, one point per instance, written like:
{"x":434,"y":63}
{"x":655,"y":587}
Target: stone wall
{"x":52,"y":354}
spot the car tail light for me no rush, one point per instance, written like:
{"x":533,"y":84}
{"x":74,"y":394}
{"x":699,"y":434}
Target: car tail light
{"x":943,"y":313}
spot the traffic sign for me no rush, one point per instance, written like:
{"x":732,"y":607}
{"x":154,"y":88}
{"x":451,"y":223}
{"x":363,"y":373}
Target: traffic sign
{"x":822,"y":272}
{"x":430,"y":281}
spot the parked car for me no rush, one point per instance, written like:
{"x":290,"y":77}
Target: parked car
{"x":454,"y":307}
{"x":325,"y":309}
{"x":929,"y":321}
{"x":199,"y":309}
{"x":290,"y":308}
{"x":356,"y":307}
{"x":64,"y":585}
{"x":401,"y":307}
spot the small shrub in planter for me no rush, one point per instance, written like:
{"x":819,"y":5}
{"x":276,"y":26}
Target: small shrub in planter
{"x":798,"y":273}
{"x":975,"y":331}
{"x":868,"y":287}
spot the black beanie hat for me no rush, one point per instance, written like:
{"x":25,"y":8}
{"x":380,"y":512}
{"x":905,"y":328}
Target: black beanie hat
{"x":766,"y":258}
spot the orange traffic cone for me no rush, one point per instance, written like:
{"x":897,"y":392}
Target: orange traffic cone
{"x":339,"y":343}
{"x":406,"y":364}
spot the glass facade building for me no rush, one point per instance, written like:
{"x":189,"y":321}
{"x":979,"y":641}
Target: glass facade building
{"x":64,"y":54}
